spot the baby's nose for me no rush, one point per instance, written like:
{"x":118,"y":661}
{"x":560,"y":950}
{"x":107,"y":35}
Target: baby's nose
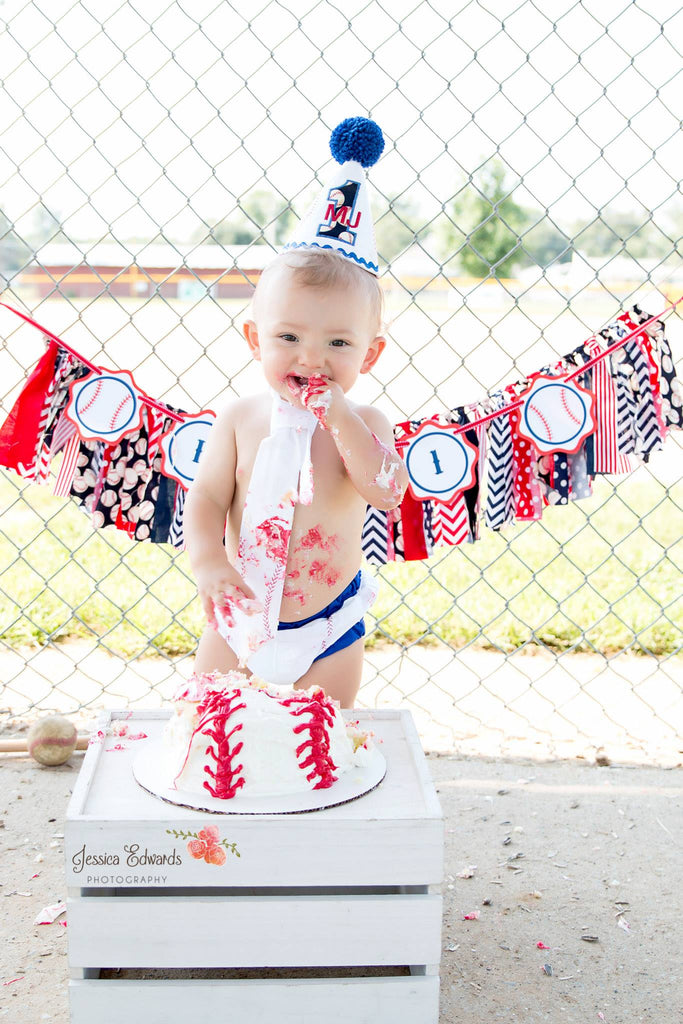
{"x":311,"y":358}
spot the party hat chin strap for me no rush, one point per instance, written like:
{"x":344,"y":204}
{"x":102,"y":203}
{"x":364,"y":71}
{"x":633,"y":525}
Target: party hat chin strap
{"x":282,"y":477}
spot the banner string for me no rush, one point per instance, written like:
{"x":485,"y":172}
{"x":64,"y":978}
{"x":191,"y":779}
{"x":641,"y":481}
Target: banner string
{"x":86,"y":362}
{"x":518,"y":403}
{"x":456,"y":429}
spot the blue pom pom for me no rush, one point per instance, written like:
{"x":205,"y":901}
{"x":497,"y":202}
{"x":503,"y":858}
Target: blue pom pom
{"x":357,"y":138}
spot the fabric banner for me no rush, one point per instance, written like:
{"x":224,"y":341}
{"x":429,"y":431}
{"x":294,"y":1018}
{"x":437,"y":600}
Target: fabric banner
{"x":626,"y":371}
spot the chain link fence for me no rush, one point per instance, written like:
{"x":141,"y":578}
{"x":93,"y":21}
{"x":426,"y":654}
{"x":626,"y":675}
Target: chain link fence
{"x":152,"y":160}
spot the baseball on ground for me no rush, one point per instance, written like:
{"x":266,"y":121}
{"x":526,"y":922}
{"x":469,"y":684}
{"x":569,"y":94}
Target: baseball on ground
{"x":52,"y":740}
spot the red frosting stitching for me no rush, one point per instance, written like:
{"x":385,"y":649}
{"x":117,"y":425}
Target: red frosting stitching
{"x":214,"y":713}
{"x":322,"y":717}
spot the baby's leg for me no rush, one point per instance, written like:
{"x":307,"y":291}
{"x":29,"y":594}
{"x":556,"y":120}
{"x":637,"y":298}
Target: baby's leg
{"x":339,"y":674}
{"x":214,"y":654}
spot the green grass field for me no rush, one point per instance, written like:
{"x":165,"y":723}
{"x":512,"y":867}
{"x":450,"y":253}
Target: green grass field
{"x":602,"y":574}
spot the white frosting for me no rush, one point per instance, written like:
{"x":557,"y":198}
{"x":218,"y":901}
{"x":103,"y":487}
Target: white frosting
{"x":270,"y":764}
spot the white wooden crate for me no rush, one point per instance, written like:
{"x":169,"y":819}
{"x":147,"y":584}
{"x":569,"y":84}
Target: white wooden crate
{"x":350,"y":888}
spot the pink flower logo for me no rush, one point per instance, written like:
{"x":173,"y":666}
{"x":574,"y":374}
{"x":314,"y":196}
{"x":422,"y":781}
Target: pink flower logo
{"x":206,"y":844}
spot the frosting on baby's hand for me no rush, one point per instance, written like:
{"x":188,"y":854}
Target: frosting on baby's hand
{"x":229,"y":601}
{"x":391,"y":464}
{"x":317,"y":397}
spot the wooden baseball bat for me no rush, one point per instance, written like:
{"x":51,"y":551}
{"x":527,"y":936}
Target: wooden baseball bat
{"x":17,"y":745}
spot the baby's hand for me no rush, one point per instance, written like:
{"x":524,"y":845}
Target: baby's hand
{"x":322,"y":397}
{"x":223,"y":589}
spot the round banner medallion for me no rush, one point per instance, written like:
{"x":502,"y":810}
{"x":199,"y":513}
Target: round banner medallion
{"x":557,"y":415}
{"x":439,"y":461}
{"x":105,"y":405}
{"x":183,"y":444}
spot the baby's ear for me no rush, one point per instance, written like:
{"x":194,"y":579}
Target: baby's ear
{"x":375,"y":349}
{"x":251,"y":334}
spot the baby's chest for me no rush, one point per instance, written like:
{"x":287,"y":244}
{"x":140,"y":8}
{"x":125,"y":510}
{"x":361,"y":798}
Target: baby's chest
{"x":325,"y":533}
{"x":330,"y":480}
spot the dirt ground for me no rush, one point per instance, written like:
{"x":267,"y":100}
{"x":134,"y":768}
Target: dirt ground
{"x":556,"y":851}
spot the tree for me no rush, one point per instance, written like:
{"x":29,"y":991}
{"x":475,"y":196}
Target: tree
{"x":262,"y":216}
{"x":45,"y":227}
{"x":484,"y":225}
{"x":14,"y":252}
{"x":544,"y":243}
{"x":398,"y":224}
{"x":623,"y":232}
{"x":266,"y":216}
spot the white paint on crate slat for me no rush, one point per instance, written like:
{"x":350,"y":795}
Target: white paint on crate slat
{"x":432,"y":807}
{"x":408,"y":852}
{"x":401,"y":1000}
{"x":260,"y":931}
{"x":393,"y":835}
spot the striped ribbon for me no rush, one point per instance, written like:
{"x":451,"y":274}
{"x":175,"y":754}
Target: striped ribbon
{"x":607,"y":457}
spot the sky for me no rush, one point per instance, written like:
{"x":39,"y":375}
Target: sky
{"x":134,"y":118}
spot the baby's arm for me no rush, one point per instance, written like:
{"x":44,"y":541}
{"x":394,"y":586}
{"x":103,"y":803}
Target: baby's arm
{"x":206,"y":509}
{"x":365,"y":441}
{"x":376,"y":469}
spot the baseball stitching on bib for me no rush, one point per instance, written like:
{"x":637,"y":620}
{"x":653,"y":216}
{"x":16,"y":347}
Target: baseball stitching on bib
{"x":271,"y":586}
{"x":328,"y":631}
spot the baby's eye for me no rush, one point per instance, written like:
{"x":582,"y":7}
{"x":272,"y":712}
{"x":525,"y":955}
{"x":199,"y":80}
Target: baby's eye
{"x":288,"y":337}
{"x":339,"y":342}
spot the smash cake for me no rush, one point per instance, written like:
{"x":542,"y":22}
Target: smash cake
{"x":230,"y":735}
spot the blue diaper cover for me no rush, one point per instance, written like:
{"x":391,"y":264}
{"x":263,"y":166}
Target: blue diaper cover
{"x":351,"y":635}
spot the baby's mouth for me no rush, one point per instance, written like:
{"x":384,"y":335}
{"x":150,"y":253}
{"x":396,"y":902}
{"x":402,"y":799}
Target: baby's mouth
{"x":301,"y":387}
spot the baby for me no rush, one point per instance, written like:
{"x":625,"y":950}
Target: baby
{"x":315,"y":328}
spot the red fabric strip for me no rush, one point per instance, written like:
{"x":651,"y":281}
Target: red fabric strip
{"x":414,"y":543}
{"x":19,"y":432}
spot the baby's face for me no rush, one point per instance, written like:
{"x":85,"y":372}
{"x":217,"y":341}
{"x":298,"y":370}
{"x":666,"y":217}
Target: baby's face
{"x":303,"y":330}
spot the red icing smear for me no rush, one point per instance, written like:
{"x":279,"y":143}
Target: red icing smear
{"x":274,"y":533}
{"x":294,"y":595}
{"x":214,"y":713}
{"x":316,"y":387}
{"x":322,"y":573}
{"x":315,"y":538}
{"x":318,"y":742}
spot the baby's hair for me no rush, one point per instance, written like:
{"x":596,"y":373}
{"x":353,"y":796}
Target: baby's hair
{"x":323,"y":268}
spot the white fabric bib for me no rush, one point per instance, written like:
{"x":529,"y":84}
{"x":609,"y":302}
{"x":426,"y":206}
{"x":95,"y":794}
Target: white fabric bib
{"x":281,"y":477}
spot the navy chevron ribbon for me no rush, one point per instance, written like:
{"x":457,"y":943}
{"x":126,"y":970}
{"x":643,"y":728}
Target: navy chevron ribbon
{"x":648,"y":436}
{"x":672,"y":394}
{"x":175,"y":534}
{"x":626,"y":410}
{"x":375,"y":536}
{"x":500,"y":498}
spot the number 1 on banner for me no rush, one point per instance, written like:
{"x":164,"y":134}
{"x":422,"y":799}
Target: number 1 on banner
{"x":440,"y":462}
{"x":183,"y":444}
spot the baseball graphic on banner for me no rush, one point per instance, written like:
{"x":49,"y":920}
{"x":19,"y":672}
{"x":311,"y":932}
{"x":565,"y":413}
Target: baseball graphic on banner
{"x":105,"y":405}
{"x":557,"y":415}
{"x":183,"y":444}
{"x":440,"y":461}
